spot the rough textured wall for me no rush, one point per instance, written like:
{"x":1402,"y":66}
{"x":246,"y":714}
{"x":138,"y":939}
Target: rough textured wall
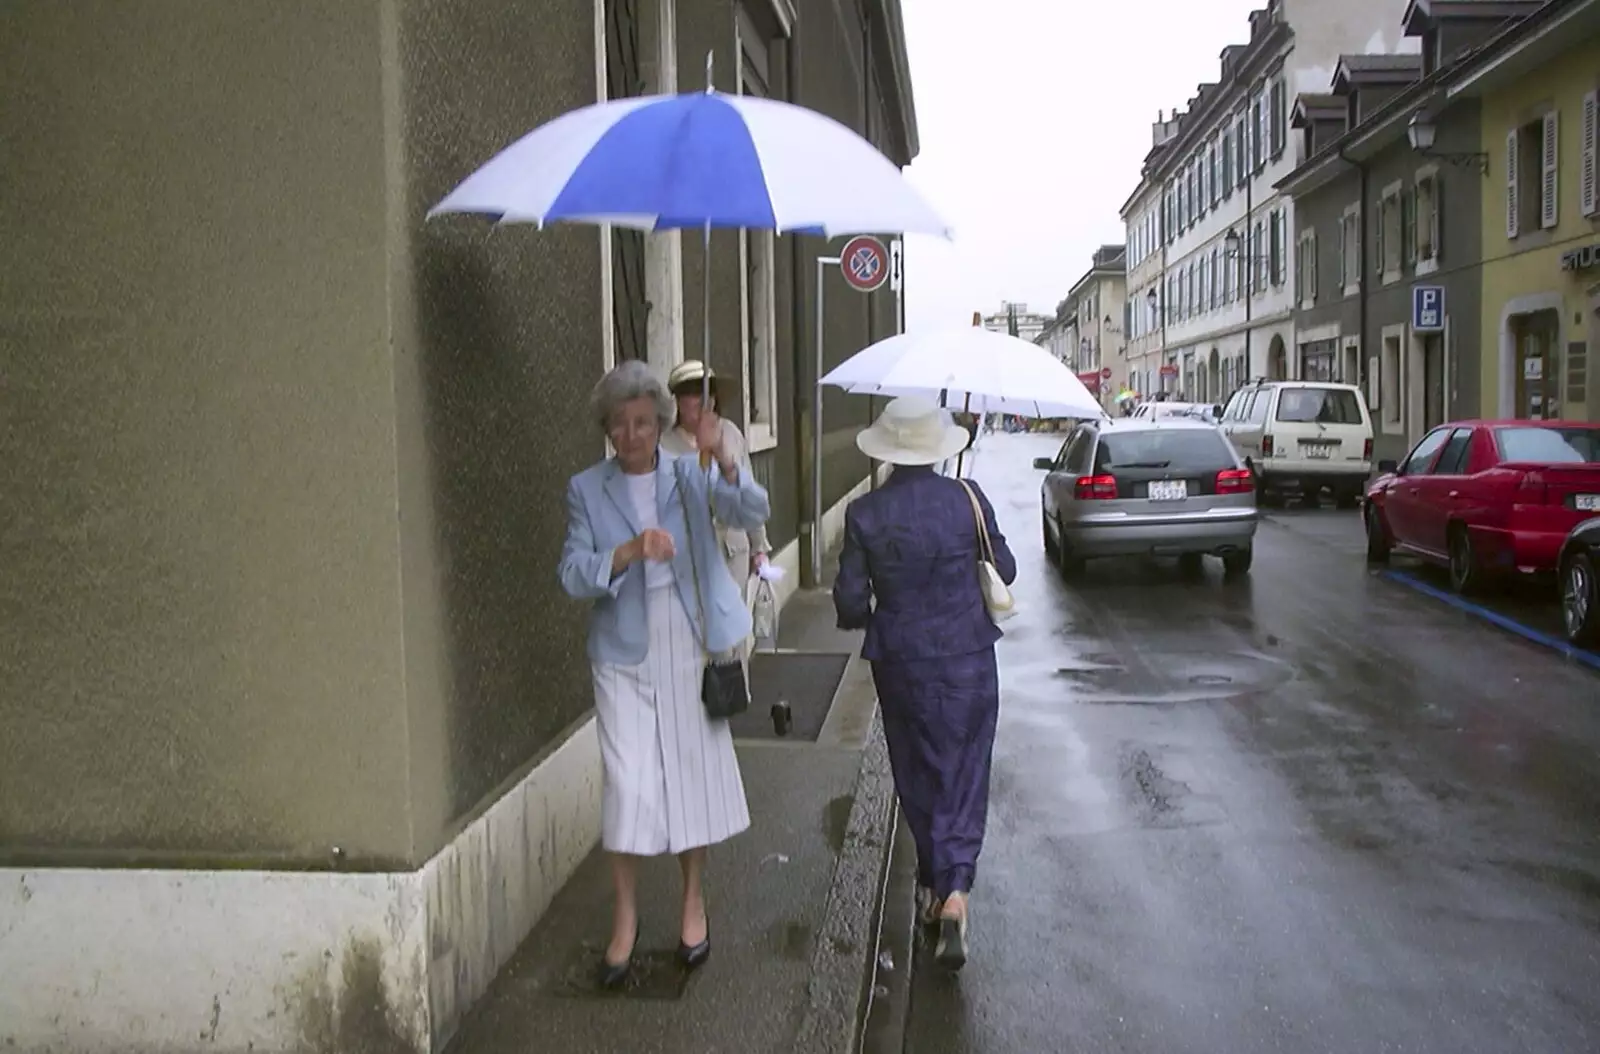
{"x":199,"y":634}
{"x":497,"y":344}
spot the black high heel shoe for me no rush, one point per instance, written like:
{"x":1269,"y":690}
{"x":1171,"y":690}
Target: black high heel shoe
{"x":694,"y":957}
{"x":613,"y":976}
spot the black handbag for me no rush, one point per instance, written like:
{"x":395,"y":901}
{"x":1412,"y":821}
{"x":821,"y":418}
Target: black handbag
{"x":723,"y":688}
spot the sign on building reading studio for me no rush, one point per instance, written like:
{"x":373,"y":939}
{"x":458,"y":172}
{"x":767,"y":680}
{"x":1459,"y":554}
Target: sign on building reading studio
{"x":1584,"y":259}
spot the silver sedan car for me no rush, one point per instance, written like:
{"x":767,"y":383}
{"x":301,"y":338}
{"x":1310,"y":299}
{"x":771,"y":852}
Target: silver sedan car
{"x":1168,"y":486}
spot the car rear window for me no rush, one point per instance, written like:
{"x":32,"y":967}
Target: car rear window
{"x":1549,"y":445}
{"x":1186,"y":450}
{"x":1329,"y":406}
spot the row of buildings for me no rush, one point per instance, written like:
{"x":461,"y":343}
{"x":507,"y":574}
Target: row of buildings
{"x":1400,"y":195}
{"x":298,"y":737}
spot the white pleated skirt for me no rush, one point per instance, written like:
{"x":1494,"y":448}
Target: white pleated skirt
{"x":672,"y":778}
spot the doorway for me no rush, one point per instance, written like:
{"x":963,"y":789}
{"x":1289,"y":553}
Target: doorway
{"x":1536,"y":363}
{"x":1277,"y":360}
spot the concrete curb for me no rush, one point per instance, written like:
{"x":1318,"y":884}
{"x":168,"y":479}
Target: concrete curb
{"x":842,"y":957}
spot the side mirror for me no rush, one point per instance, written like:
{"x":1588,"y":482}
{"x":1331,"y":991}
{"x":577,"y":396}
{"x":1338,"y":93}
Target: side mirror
{"x":1046,"y":463}
{"x":1388,"y":465}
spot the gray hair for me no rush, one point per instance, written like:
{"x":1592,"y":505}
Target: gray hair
{"x":627,"y":381}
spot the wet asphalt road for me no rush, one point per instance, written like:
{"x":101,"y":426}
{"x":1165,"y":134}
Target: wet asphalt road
{"x":1311,"y":811}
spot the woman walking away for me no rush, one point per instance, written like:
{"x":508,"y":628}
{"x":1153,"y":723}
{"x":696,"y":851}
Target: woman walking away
{"x":908,"y":575}
{"x":743,"y":550}
{"x":641,"y":545}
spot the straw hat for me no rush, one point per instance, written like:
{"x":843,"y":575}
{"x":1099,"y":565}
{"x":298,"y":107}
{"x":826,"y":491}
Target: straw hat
{"x":690,"y":371}
{"x":912,"y":431}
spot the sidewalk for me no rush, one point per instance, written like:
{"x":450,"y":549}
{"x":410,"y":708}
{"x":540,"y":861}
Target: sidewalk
{"x":793,"y":902}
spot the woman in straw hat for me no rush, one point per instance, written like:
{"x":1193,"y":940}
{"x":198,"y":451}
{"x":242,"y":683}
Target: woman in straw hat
{"x":743,"y":550}
{"x":908,"y":575}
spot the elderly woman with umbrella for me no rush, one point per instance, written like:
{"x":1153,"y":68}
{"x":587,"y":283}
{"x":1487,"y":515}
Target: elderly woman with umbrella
{"x":694,"y":161}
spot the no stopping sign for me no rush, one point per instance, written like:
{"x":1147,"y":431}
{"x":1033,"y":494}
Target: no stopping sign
{"x":864,"y":263}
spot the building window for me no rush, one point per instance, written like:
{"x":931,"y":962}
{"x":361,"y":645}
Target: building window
{"x":1350,"y":251}
{"x":758,"y":251}
{"x":1226,"y":160}
{"x":1258,"y":259}
{"x":1425,"y":216}
{"x":1531,"y":176}
{"x":1256,"y":151}
{"x":1216,"y":279}
{"x":1390,"y":252}
{"x":1305,"y":269}
{"x":1241,"y":151}
{"x":1277,"y":248}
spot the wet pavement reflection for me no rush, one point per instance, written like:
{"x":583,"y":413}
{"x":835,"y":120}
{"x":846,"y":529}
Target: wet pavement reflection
{"x":1310,"y":810}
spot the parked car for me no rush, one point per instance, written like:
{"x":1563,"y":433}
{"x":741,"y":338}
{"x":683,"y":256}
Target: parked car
{"x":1169,"y":486}
{"x":1487,"y":499}
{"x":1199,"y":411}
{"x":1303,"y":437}
{"x":1578,"y":565}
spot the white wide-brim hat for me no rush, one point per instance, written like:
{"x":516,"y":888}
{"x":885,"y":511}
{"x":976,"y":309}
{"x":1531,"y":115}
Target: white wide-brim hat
{"x":912,"y":431}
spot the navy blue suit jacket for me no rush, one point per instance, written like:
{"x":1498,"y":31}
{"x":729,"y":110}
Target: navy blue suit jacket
{"x":908,"y":573}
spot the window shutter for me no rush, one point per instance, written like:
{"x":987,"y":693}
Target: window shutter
{"x":1279,"y":128}
{"x":1513,"y":227}
{"x":1586,"y":176}
{"x":1437,"y":219}
{"x":1548,"y":212}
{"x":1311,"y":265}
{"x":1343,"y":248}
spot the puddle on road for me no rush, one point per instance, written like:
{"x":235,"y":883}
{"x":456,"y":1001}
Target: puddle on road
{"x":1171,"y":677}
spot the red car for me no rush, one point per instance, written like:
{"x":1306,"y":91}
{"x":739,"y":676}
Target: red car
{"x":1486,"y":498}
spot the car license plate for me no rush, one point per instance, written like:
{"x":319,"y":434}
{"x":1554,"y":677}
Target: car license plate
{"x":1586,"y":502}
{"x":1319,"y":451}
{"x":1169,"y":490}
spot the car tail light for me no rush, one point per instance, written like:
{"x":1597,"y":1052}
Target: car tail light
{"x":1366,"y":451}
{"x":1092,"y":488}
{"x":1266,"y":446}
{"x":1235,"y":481}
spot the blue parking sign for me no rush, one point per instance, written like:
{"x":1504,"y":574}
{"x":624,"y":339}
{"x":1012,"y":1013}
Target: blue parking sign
{"x":1427,"y":308}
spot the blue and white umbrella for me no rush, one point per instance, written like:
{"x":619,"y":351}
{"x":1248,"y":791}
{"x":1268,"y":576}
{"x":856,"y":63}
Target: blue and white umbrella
{"x":697,"y":161}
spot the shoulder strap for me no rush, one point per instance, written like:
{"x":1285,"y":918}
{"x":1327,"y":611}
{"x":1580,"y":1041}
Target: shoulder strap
{"x":694,"y":563}
{"x":984,"y":544}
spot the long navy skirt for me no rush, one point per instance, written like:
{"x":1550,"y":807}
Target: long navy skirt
{"x":938,"y":720}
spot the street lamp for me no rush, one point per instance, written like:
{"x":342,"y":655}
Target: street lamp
{"x":1423,"y":132}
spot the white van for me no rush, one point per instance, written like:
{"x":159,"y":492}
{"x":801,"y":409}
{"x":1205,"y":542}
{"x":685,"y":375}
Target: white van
{"x":1303,"y":437}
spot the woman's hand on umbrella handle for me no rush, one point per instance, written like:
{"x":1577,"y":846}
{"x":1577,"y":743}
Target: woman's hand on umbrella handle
{"x":708,"y":436}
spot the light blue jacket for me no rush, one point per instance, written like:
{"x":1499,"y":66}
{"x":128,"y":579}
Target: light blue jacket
{"x":600,"y":518}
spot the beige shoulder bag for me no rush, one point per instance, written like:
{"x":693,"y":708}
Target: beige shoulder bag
{"x":997,"y":596}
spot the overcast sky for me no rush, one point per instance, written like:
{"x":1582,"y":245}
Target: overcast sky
{"x":1034,"y":117}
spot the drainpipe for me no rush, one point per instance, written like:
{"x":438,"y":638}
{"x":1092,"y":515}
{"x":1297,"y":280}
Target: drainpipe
{"x":1361,"y":269}
{"x":800,"y":396}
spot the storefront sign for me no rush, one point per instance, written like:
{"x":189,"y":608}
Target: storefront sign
{"x":1583,"y":259}
{"x":1427,"y":308}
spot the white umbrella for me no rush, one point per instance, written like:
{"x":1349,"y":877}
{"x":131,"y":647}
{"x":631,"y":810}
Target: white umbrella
{"x":968,"y":369}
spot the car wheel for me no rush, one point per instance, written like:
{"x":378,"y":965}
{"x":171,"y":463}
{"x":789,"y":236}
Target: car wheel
{"x":1580,"y":601}
{"x":1349,"y":499}
{"x":1466,"y":575}
{"x":1070,"y":566}
{"x":1052,"y":552}
{"x":1237,"y":563}
{"x":1378,"y":544}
